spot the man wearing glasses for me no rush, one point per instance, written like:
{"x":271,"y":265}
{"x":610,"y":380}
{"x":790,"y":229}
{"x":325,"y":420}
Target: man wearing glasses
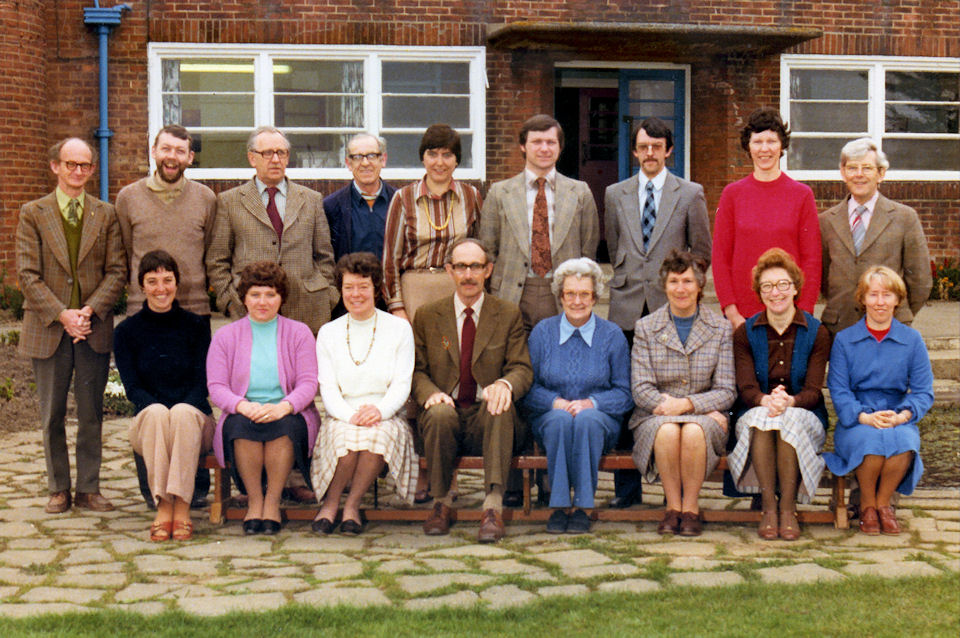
{"x":357,"y":213}
{"x":867,"y":229}
{"x":272,"y":218}
{"x":71,"y":268}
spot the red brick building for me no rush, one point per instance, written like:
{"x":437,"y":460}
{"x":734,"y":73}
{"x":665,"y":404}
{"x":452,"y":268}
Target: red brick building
{"x":324,"y":69}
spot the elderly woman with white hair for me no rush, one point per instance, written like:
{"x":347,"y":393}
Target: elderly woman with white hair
{"x":581,"y":390}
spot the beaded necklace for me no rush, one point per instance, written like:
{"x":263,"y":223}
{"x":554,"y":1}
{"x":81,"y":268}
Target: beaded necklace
{"x":369,"y":348}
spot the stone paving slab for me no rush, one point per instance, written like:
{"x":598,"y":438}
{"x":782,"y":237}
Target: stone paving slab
{"x":219,"y":605}
{"x":893,"y":570}
{"x":705,"y":579}
{"x":423,"y":584}
{"x":802,"y":573}
{"x":355,"y":597}
{"x":503,"y":596}
{"x":459,"y":599}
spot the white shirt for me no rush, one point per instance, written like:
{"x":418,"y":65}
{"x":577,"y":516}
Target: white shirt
{"x":658,"y":182}
{"x":871,"y":203}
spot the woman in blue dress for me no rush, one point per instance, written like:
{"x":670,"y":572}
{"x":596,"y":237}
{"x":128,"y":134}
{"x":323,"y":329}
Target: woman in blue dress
{"x":881,"y":385}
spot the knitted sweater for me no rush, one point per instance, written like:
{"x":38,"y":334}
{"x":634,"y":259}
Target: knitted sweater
{"x":183,"y":228}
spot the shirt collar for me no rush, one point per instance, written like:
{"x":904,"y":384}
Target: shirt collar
{"x":157,"y":185}
{"x":261,"y":187}
{"x":423,"y":191}
{"x":530,"y":178}
{"x":358,"y":194}
{"x":459,"y":306}
{"x":658,"y":181}
{"x":798,"y":319}
{"x":871,"y":203}
{"x":898,"y":331}
{"x":586,"y":331}
{"x":63,"y":200}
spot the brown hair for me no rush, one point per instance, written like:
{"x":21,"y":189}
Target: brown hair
{"x":678,"y":261}
{"x":262,"y":273}
{"x":440,"y":136}
{"x":891,"y":281}
{"x":765,"y":119}
{"x":777,"y":258}
{"x":362,"y":265}
{"x":540,"y":123}
{"x":177,"y":131}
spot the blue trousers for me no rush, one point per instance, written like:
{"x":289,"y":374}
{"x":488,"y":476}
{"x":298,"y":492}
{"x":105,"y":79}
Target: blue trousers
{"x":574,"y":445}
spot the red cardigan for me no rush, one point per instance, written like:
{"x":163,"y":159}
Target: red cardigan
{"x":754,"y":216}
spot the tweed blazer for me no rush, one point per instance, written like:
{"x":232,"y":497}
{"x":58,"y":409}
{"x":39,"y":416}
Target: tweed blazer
{"x":700,"y":370}
{"x":43,"y":270}
{"x":499,"y":348}
{"x":682,"y":223}
{"x":894,"y":239}
{"x":243,"y":234}
{"x":505,"y":230}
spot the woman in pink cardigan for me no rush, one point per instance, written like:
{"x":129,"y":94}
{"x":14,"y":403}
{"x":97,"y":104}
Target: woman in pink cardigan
{"x":262,"y":373}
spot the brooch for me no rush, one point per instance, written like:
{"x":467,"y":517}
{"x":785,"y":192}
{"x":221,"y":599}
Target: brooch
{"x":445,"y":343}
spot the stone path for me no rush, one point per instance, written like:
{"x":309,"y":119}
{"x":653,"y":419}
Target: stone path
{"x":88,"y":561}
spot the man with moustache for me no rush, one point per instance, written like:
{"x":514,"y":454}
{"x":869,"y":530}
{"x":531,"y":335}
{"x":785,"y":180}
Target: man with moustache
{"x":167,"y":211}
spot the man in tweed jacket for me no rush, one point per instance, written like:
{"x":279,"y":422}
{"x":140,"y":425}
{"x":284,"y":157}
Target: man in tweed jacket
{"x":244,"y":233}
{"x":71,"y":268}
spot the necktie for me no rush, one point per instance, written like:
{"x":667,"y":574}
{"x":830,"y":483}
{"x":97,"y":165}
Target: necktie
{"x":649,"y":218}
{"x":273,"y":213}
{"x":72,"y":217}
{"x":468,"y":385}
{"x":540,"y":237}
{"x":858,"y":228}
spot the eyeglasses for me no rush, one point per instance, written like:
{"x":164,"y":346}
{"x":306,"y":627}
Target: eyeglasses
{"x":853,"y":169}
{"x":572,"y":295}
{"x":281,"y":153}
{"x":783,"y":286}
{"x":370,"y":157}
{"x":643,"y":148}
{"x":461,"y":268}
{"x":85,"y":167}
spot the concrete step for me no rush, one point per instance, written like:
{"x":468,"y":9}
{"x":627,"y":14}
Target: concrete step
{"x":945,"y":363}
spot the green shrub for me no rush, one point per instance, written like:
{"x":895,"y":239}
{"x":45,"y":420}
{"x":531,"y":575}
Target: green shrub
{"x":10,"y":297}
{"x":946,"y":280}
{"x":10,"y":337}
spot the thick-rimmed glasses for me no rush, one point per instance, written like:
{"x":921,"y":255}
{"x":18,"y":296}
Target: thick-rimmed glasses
{"x":783,"y":286}
{"x":370,"y":157}
{"x":475,"y":267}
{"x":268,"y":154}
{"x":85,"y":167}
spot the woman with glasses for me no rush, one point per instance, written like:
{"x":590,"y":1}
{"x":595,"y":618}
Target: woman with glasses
{"x":581,"y":390}
{"x":781,"y":357}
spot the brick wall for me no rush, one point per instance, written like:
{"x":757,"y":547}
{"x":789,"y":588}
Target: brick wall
{"x":48,"y":73}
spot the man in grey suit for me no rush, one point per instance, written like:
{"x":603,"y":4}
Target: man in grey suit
{"x":536,"y":220}
{"x":867,"y":229}
{"x":647,"y":216}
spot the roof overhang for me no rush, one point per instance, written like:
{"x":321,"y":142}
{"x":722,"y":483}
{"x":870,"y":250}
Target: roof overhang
{"x":676,"y":41}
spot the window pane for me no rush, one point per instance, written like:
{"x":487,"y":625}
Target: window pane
{"x":220,"y":150}
{"x":929,"y":155}
{"x":823,"y":84}
{"x":207,"y":92}
{"x":314,"y":93}
{"x":426,"y":77}
{"x":319,"y":76}
{"x":642,"y":110}
{"x":317,"y":150}
{"x":402,"y":149}
{"x":812,"y":153}
{"x":651,"y":90}
{"x":916,"y":86}
{"x":407,"y":112}
{"x":208,"y":110}
{"x":207,"y":75}
{"x":828,"y":116}
{"x":918,"y":118}
{"x":318,"y":110}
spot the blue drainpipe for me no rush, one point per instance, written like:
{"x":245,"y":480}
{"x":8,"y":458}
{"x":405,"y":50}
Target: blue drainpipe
{"x":104,"y":20}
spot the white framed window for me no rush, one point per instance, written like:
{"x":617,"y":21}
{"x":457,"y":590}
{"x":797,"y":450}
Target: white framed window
{"x":910,"y":105}
{"x":319,"y":96}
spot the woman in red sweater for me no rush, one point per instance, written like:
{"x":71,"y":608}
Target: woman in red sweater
{"x":764,"y":210}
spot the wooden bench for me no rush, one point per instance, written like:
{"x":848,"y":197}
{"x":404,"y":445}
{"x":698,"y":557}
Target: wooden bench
{"x":220,"y":508}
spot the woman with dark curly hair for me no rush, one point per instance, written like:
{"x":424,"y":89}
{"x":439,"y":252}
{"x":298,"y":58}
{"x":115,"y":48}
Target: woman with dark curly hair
{"x":262,"y":373}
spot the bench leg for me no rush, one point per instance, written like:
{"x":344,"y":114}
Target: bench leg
{"x":221,"y":493}
{"x":840,"y":520}
{"x":526,"y":491}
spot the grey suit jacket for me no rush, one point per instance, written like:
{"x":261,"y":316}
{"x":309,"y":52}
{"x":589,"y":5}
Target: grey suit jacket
{"x":243,"y":234}
{"x":894,"y":239}
{"x":682,"y":223}
{"x":505,"y":230}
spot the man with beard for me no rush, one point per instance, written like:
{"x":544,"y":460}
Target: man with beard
{"x":167,"y":211}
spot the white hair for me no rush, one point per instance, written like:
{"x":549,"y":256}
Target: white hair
{"x":858,"y":149}
{"x":579,"y":267}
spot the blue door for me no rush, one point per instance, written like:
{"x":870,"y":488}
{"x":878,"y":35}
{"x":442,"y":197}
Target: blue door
{"x":652,"y":92}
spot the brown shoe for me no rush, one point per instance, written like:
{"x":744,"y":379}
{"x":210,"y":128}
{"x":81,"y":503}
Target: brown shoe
{"x":670,"y":523}
{"x":690,"y":524}
{"x":789,"y":526}
{"x":93,"y":501}
{"x":440,"y":520}
{"x":299,"y":494}
{"x":869,"y":523}
{"x":491,"y":526}
{"x":768,"y":526}
{"x":59,"y":503}
{"x":888,"y":521}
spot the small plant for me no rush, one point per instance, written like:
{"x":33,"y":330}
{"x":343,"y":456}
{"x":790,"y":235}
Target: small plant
{"x":946,"y":280}
{"x":10,"y":338}
{"x":10,"y":297}
{"x":7,"y":391}
{"x":120,"y":306}
{"x":115,"y":399}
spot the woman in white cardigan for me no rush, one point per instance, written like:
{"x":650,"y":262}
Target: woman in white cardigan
{"x":365,"y":367}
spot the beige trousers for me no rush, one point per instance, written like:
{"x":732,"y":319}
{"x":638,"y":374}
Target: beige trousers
{"x":170,"y":442}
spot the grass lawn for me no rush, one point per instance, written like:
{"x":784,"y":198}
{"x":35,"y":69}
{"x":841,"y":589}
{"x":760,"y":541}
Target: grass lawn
{"x":857,"y":607}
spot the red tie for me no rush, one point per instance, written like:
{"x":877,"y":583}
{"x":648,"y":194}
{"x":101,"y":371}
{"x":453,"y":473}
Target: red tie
{"x":273,"y":213}
{"x":468,"y":385}
{"x":540,"y":237}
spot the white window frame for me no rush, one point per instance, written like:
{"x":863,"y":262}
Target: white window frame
{"x":371,"y":56}
{"x":876,"y":68}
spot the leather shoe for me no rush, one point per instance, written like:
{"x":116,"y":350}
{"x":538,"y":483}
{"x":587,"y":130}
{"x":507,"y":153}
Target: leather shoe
{"x":252,"y":526}
{"x":690,"y":524}
{"x":350,"y":527}
{"x":512,"y":498}
{"x":869,"y":522}
{"x":670,"y":523}
{"x":578,"y":522}
{"x":491,"y":526}
{"x":888,"y":521}
{"x":59,"y":503}
{"x":623,"y":502}
{"x":768,"y":529}
{"x":271,"y":527}
{"x":557,"y":523}
{"x":422,"y":496}
{"x":323,"y":526}
{"x":93,"y":501}
{"x":440,"y":520}
{"x":789,"y":526}
{"x":300,"y":494}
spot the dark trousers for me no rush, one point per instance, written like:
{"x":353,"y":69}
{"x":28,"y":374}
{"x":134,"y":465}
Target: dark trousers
{"x":76,"y":362}
{"x":628,"y":483}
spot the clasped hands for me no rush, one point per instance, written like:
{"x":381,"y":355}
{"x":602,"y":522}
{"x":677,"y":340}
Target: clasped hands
{"x":777,"y":401}
{"x":573,"y":407}
{"x":264,"y":412}
{"x":497,"y":395}
{"x":673,"y":406}
{"x":366,"y":416}
{"x":76,"y":322}
{"x":882,"y":419}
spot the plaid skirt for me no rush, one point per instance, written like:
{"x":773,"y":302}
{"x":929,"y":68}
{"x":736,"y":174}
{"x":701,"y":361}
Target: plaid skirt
{"x":391,"y":439}
{"x":800,"y":428}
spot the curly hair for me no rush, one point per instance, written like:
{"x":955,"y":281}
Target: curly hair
{"x":765,"y":119}
{"x":679,"y":261}
{"x":263,"y":273}
{"x":777,"y":258}
{"x":361,"y":265}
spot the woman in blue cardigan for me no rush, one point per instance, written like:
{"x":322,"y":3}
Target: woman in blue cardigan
{"x":881,"y":385}
{"x":581,"y":390}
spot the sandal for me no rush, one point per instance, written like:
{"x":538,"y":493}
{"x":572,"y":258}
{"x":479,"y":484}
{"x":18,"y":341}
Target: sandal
{"x":768,"y":525}
{"x":182,"y":530}
{"x":789,"y":526}
{"x":160,"y":532}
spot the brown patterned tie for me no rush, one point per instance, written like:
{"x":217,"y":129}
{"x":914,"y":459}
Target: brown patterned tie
{"x":540,"y":239}
{"x":273,"y":213}
{"x":72,"y":217}
{"x":468,"y":385}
